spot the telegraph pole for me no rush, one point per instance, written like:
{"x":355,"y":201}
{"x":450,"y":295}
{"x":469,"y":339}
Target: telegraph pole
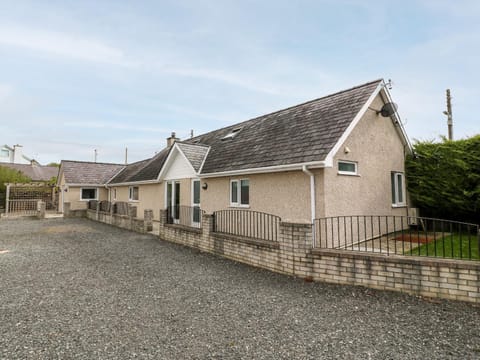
{"x":95,"y":155}
{"x":449,"y":115}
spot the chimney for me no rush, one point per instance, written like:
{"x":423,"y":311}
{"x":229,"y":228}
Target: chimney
{"x":171,"y":140}
{"x":17,"y":154}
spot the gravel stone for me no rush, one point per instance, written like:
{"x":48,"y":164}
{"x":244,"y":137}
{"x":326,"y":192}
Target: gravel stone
{"x":77,"y":289}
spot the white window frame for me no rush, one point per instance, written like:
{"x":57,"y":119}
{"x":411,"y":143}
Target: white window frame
{"x":130,"y":192}
{"x":396,"y":202}
{"x":114,"y":195}
{"x":88,"y":188}
{"x":351,"y":173}
{"x":194,"y":204}
{"x":239,"y":193}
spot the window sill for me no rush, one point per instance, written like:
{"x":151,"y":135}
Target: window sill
{"x":347,"y":174}
{"x":88,"y":199}
{"x":133,"y":201}
{"x":239,"y":206}
{"x":395,"y":206}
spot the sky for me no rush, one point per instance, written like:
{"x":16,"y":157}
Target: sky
{"x":108,"y":75}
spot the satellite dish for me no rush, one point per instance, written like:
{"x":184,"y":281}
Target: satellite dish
{"x":388,"y":109}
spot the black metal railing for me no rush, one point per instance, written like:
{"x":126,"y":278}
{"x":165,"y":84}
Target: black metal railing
{"x":105,"y":205}
{"x":252,"y":224}
{"x":404,"y":235}
{"x":92,"y":204}
{"x":120,"y":208}
{"x":185,"y":215}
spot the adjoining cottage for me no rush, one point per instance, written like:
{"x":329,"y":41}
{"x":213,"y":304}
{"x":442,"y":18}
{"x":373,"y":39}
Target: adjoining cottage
{"x":80,"y":181}
{"x":336,"y":155}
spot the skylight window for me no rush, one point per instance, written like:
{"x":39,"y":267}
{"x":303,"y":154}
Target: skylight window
{"x":232,"y":134}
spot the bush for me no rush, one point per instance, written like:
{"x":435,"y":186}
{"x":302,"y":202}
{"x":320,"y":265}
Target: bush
{"x":443,"y":179}
{"x":8,"y":175}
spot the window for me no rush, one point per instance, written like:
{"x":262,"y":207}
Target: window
{"x":88,"y":194}
{"x":398,"y":186}
{"x":4,"y":153}
{"x":347,"y":168}
{"x":240,"y":192}
{"x":114,"y":194}
{"x":133,"y":193}
{"x":232,"y":134}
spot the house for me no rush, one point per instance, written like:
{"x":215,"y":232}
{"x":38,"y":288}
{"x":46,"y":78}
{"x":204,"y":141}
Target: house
{"x":332,"y":156}
{"x":80,"y":181}
{"x":14,"y":155}
{"x":37,"y":173}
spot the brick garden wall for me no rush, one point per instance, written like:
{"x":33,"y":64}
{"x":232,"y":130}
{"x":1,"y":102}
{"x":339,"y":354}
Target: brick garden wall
{"x":292,"y":254}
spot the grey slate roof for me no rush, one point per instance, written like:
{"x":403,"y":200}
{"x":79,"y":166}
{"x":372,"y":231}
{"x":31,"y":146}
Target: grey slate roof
{"x":82,"y":172}
{"x":194,"y":153}
{"x":144,"y":170}
{"x":34,"y":172}
{"x":299,"y":134}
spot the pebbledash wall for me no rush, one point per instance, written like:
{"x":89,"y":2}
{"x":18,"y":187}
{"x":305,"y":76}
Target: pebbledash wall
{"x":293,"y":254}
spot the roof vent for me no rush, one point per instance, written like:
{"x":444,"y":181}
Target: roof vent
{"x":232,"y":134}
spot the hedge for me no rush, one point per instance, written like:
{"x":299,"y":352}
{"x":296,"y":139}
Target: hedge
{"x":443,"y":179}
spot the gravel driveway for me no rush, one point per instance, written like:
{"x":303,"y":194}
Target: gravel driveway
{"x":84,"y":290}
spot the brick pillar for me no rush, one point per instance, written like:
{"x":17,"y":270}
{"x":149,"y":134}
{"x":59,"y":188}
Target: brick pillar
{"x":295,"y":247}
{"x":41,"y":207}
{"x":207,"y":231}
{"x":66,"y":209}
{"x":163,"y":216}
{"x":148,"y":220}
{"x":97,"y":210}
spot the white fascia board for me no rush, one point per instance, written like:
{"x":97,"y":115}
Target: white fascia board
{"x":144,"y":182}
{"x":354,"y":123}
{"x":397,"y":121}
{"x":167,"y":160}
{"x":269,"y":169}
{"x":204,"y":159}
{"x":85,"y":185}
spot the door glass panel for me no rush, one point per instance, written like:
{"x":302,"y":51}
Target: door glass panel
{"x":196,"y":192}
{"x":176,"y":200}
{"x":169,"y":200}
{"x":196,"y":201}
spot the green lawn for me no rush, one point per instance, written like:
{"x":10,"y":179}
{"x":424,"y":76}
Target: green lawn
{"x":449,"y":247}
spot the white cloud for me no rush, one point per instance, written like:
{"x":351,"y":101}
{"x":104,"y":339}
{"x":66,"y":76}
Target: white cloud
{"x":62,"y":44}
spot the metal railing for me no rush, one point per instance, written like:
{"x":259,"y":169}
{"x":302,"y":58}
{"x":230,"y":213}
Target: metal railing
{"x":246,"y":223}
{"x":120,"y":208}
{"x":190,"y":216}
{"x":24,"y":207}
{"x":404,"y":235}
{"x":92,"y":204}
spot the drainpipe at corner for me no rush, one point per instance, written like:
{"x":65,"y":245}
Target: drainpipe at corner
{"x":312,"y":199}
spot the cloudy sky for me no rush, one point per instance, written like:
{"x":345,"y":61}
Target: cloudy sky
{"x":82,"y":75}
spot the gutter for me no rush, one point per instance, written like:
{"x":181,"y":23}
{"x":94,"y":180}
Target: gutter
{"x":312,"y":199}
{"x":268,"y":169}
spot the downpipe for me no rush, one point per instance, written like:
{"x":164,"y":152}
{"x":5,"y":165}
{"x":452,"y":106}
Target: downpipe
{"x":307,"y":172}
